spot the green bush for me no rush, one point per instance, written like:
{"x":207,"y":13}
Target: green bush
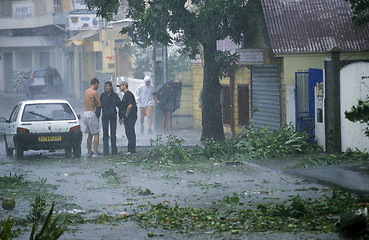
{"x":213,"y":148}
{"x":266,"y":143}
{"x":169,"y":152}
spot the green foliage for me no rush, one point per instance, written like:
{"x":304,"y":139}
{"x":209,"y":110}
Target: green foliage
{"x":146,"y":192}
{"x":213,"y":148}
{"x":359,"y":113}
{"x":168,"y":153}
{"x":349,"y":156}
{"x":253,"y":28}
{"x":360,"y":10}
{"x":265,"y":143}
{"x":177,"y":62}
{"x":12,"y":179}
{"x":142,"y":61}
{"x":38,"y":209}
{"x":295,"y":214}
{"x":109,"y":173}
{"x":6,"y":232}
{"x":105,"y":8}
{"x":113,"y":177}
{"x":52,"y":228}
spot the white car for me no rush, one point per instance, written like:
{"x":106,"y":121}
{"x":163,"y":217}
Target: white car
{"x":42,"y":125}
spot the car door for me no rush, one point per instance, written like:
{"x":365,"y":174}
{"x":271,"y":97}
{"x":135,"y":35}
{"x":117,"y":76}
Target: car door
{"x":10,"y":128}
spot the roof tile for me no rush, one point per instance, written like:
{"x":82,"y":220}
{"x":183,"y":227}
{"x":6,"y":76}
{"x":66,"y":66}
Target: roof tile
{"x":312,"y":26}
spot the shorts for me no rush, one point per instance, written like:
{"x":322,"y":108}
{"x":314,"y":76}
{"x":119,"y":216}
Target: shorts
{"x":91,"y":122}
{"x":146,"y":111}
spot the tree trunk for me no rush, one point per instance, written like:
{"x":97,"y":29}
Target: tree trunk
{"x":212,"y":123}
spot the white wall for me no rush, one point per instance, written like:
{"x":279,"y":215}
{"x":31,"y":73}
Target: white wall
{"x":353,"y":88}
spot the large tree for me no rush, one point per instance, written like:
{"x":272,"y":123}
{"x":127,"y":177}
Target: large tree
{"x":360,"y":9}
{"x":192,"y":23}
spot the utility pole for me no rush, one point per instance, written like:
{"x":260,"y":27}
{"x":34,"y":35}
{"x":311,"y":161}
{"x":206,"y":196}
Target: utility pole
{"x":160,"y":68}
{"x":158,"y":78}
{"x":332,"y":103}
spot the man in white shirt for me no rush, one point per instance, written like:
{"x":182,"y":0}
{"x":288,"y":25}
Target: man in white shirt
{"x":145,"y":103}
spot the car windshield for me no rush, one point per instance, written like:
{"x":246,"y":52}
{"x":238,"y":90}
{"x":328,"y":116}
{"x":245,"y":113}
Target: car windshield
{"x":47,"y":112}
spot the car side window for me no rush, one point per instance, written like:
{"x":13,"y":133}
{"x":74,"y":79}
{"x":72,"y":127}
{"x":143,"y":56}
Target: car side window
{"x":14,"y":114}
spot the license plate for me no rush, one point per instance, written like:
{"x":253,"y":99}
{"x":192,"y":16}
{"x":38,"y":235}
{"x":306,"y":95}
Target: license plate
{"x":50,"y":139}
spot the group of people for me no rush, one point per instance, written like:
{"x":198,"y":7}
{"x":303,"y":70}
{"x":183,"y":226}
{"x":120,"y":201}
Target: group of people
{"x":167,"y":97}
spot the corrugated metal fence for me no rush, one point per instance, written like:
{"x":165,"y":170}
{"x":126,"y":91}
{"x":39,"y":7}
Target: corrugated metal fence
{"x":266,"y":96}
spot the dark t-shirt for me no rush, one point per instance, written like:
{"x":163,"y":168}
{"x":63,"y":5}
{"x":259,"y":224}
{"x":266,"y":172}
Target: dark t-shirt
{"x":128,"y":98}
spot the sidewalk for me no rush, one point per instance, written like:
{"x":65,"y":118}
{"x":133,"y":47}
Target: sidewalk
{"x":352,"y":177}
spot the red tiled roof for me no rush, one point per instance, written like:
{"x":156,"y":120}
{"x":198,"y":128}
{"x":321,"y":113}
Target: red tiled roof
{"x":312,"y":26}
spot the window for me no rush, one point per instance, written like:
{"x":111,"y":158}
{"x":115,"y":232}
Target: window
{"x":44,"y":59}
{"x":98,"y":61}
{"x":243,"y":104}
{"x":57,"y":6}
{"x":24,"y":60}
{"x":14,"y":114}
{"x":6,"y":9}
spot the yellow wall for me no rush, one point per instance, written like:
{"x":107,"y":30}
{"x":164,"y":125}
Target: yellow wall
{"x":242,"y":76}
{"x":186,"y":97}
{"x":294,"y":63}
{"x":197,"y":80}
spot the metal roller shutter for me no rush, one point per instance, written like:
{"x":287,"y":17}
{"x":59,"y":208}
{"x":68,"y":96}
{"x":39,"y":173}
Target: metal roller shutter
{"x":266,"y":96}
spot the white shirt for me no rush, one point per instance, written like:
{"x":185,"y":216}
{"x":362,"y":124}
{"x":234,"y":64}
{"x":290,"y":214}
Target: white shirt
{"x":144,"y":95}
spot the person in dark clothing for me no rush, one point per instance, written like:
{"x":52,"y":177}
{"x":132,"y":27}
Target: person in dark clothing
{"x":49,"y":79}
{"x":128,"y":115}
{"x":110,"y":101}
{"x":168,"y":98}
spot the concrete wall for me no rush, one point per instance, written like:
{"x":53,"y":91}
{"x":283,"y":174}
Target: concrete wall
{"x":354,"y":86}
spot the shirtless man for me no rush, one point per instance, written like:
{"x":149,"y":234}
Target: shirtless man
{"x":92,"y":100}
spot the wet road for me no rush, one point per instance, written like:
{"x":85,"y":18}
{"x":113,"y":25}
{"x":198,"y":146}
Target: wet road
{"x":82,"y":185}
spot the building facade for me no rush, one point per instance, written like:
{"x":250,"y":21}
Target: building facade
{"x":32,"y":35}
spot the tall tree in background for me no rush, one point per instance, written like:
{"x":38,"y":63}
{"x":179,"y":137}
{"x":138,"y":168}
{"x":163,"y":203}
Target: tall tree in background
{"x":360,"y":9}
{"x":193,"y":23}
